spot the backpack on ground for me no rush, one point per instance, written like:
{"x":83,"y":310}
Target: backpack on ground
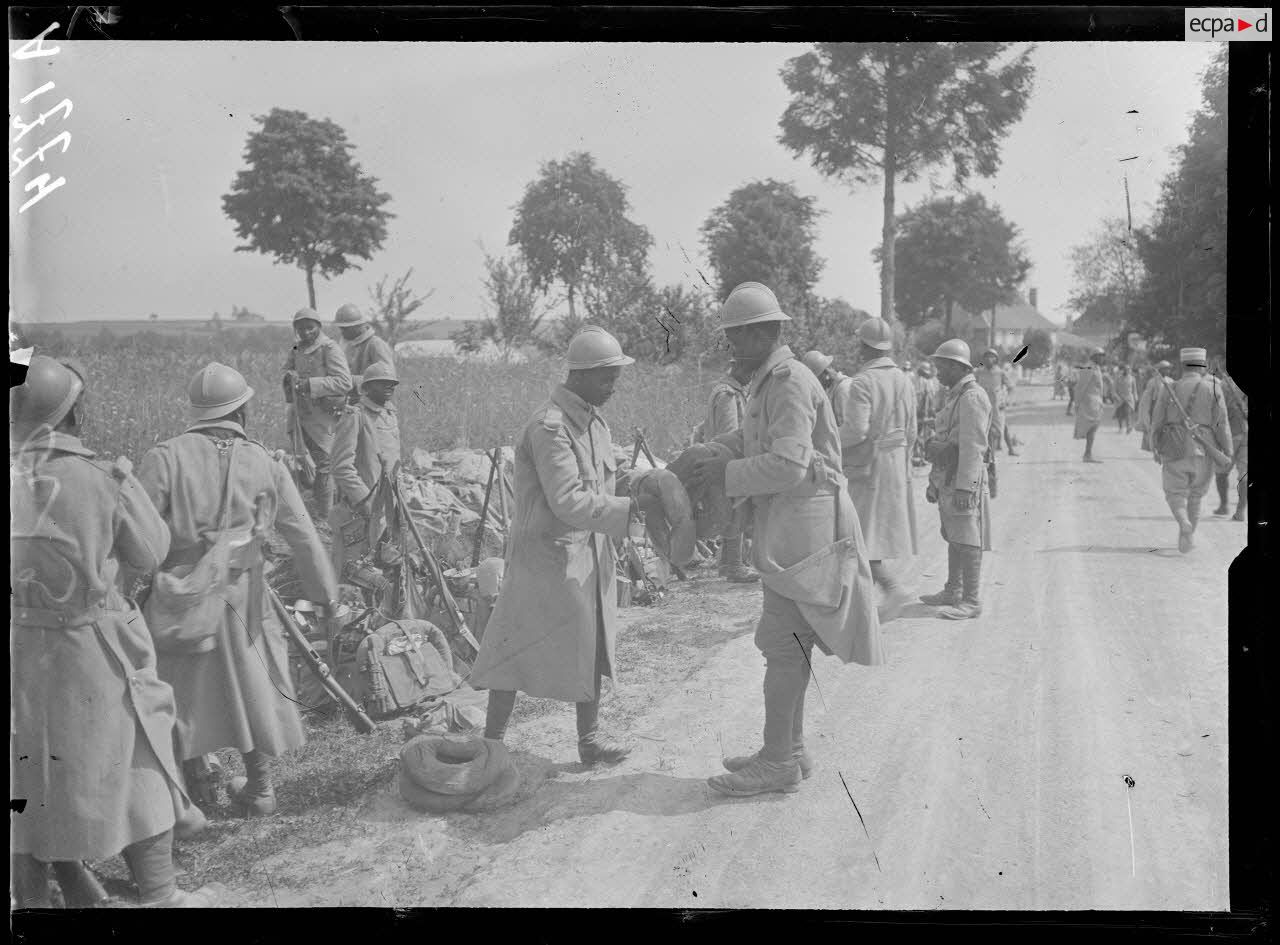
{"x":393,"y":667}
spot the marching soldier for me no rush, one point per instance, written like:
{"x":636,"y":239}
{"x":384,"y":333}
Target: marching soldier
{"x":212,"y":478}
{"x":316,"y":382}
{"x":551,"y":633}
{"x":876,"y":411}
{"x":996,"y":382}
{"x":361,"y":346}
{"x":808,"y":545}
{"x":957,"y":481}
{"x":724,"y":416}
{"x":1196,"y":403}
{"x":1091,"y":387}
{"x":928,"y":400}
{"x":92,"y":723}
{"x":1126,"y":394}
{"x":1238,"y":419}
{"x":366,"y":449}
{"x":1148,"y":399}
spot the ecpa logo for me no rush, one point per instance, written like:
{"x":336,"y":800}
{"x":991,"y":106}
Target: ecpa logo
{"x":1216,"y":24}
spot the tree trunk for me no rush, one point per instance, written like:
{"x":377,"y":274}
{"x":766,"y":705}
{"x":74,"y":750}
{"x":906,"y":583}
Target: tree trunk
{"x":572,"y":321}
{"x":890,"y":172}
{"x":311,"y":286}
{"x":950,"y":304}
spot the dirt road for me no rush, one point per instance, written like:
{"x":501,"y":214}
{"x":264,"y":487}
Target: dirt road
{"x":987,"y":757}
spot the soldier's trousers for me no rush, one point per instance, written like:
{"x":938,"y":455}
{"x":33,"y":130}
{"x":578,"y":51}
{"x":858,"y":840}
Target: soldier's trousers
{"x":322,"y":491}
{"x":1186,"y":479}
{"x":786,"y":640}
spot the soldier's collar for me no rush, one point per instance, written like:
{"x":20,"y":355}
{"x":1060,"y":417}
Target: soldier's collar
{"x":881,"y":362}
{"x":48,"y":440}
{"x":229,"y":426}
{"x":320,"y":339}
{"x":368,"y":404}
{"x":782,"y":353}
{"x":364,"y":335}
{"x":577,"y":410}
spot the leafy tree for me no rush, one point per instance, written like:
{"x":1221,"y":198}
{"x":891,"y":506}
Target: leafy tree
{"x":927,"y":336}
{"x":571,"y":227}
{"x":514,"y":312}
{"x":1039,"y":344}
{"x":764,"y":232}
{"x":394,"y":304}
{"x":1107,"y":273}
{"x":304,"y":200}
{"x":1182,"y":298}
{"x":955,"y":251}
{"x":887,"y":111}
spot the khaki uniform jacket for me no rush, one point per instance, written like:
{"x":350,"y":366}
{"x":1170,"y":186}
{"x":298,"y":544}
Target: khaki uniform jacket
{"x":237,"y":695}
{"x":328,"y":379}
{"x":1126,"y":389}
{"x":877,"y":433}
{"x":786,"y":460}
{"x":366,"y":446}
{"x":1204,"y":400}
{"x":965,"y":421}
{"x":1142,"y":419}
{"x":365,"y":351}
{"x":91,"y":723}
{"x":559,"y":589}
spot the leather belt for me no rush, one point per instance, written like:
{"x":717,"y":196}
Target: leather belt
{"x":58,"y":619}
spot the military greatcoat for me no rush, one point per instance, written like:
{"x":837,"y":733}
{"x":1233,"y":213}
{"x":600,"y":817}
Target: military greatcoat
{"x":366,"y":446}
{"x":559,"y":590}
{"x":963,"y":423}
{"x":324,"y":368}
{"x":92,"y":723}
{"x":364,"y":351}
{"x":239,"y":695}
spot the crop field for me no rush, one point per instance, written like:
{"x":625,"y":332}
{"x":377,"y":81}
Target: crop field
{"x":137,"y":390}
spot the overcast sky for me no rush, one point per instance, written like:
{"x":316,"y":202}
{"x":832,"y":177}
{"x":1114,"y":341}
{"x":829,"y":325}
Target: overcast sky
{"x":454,"y":132}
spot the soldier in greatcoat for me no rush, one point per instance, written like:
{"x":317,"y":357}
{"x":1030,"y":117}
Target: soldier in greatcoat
{"x":551,"y":633}
{"x":361,"y":346}
{"x":726,"y":406}
{"x":808,"y":547}
{"x":1091,"y":388}
{"x":876,"y":411}
{"x":999,"y":386}
{"x":316,"y":382}
{"x":1186,"y":478}
{"x":1142,"y":414}
{"x":366,"y":449}
{"x":957,"y":481}
{"x":91,"y":722}
{"x":1126,"y":396}
{"x":239,"y":694}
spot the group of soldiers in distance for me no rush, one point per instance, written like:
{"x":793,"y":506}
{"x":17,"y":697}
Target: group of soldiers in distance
{"x":118,"y":708}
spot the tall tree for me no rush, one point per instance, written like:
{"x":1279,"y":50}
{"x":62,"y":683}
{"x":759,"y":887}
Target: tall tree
{"x":571,"y":227}
{"x":394,"y":303}
{"x":955,"y":251}
{"x":1183,"y":296}
{"x":1107,"y":274}
{"x":304,"y":200}
{"x":887,"y":111}
{"x":764,"y":232}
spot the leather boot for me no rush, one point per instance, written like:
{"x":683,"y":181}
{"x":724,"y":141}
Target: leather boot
{"x":949,"y":596}
{"x":1242,"y":502}
{"x":759,"y":777}
{"x":202,"y":898}
{"x":1222,"y":481}
{"x":738,"y":762}
{"x":731,"y":566}
{"x":254,"y":794}
{"x":970,"y":605}
{"x":594,"y":747}
{"x":202,"y":776}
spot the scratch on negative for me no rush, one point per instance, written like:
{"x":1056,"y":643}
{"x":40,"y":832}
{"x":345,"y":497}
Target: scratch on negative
{"x":812,"y":674}
{"x":984,"y":810}
{"x":860,"y":820}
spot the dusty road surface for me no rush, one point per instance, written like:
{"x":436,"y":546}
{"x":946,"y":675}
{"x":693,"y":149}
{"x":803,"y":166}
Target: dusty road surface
{"x":987,"y":758}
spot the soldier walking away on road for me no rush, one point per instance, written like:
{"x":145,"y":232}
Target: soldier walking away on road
{"x":1194,"y":404}
{"x":1090,"y":389}
{"x":551,"y":634}
{"x":1238,"y":418}
{"x":1142,"y":422}
{"x":957,"y":481}
{"x":1073,"y":377}
{"x":92,"y":723}
{"x":724,"y":415}
{"x":996,"y":382}
{"x":366,"y":450}
{"x":808,"y":544}
{"x":233,"y":687}
{"x":1060,"y":372}
{"x":1126,"y":395}
{"x":876,"y":413}
{"x":316,"y":382}
{"x":361,"y":346}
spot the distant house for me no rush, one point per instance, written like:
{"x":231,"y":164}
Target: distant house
{"x":1011,"y":322}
